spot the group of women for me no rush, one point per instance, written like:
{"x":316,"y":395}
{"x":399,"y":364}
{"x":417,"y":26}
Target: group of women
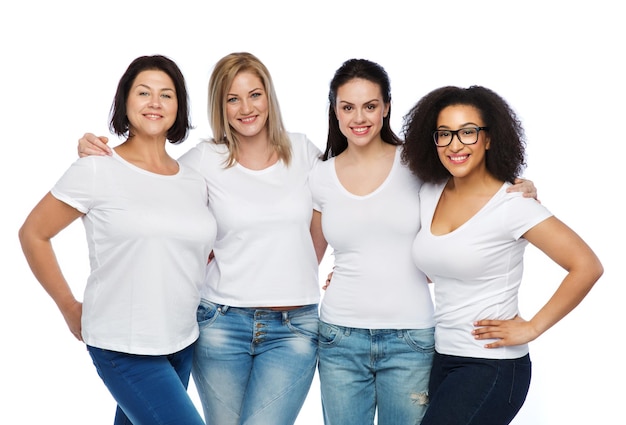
{"x":275,"y":202}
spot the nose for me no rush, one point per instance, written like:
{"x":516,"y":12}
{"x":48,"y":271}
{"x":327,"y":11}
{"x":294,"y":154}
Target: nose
{"x":456,"y":144}
{"x":246,"y":107}
{"x":155,"y":102}
{"x":360,"y":116}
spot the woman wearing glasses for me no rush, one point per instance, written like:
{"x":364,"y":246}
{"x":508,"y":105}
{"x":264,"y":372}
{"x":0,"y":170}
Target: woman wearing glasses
{"x":467,"y":145}
{"x":376,"y":334}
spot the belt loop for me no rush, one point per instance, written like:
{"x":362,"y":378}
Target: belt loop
{"x":224,"y":309}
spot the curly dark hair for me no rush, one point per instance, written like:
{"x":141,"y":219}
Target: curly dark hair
{"x":348,"y":71}
{"x":505,"y":158}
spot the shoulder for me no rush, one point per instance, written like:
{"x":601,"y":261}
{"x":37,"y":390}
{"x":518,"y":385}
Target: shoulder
{"x":301,"y":141}
{"x":303,"y":149}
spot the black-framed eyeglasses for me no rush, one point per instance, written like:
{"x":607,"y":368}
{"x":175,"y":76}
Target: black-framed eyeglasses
{"x":466,"y":135}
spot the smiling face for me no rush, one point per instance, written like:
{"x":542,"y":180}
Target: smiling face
{"x":247,"y":106}
{"x":459,"y":159}
{"x":360,"y":111}
{"x":152,"y":105}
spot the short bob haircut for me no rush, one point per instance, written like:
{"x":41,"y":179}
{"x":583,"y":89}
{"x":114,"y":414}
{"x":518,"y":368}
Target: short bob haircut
{"x":505,"y":159}
{"x":119,"y":123}
{"x":350,"y":70}
{"x":225,"y":71}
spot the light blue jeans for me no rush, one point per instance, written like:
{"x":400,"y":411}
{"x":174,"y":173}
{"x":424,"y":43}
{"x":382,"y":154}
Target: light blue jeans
{"x":149,"y":390}
{"x":364,"y":370}
{"x":254,"y":367}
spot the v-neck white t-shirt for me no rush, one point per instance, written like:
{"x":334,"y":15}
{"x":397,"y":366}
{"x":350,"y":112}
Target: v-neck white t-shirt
{"x":149,"y":237}
{"x":375,"y":283}
{"x":476,"y":269}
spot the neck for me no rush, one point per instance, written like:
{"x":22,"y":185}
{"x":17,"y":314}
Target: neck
{"x":474,"y":184}
{"x":149,"y":154}
{"x":256,"y":152}
{"x":370,"y":152}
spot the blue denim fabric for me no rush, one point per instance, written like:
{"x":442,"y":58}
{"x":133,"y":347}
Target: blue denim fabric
{"x":254,"y":366}
{"x":364,"y":370}
{"x":149,"y":390}
{"x":471,"y":391}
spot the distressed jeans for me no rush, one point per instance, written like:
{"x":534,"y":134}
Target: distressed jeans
{"x":254,"y":366}
{"x":364,"y":372}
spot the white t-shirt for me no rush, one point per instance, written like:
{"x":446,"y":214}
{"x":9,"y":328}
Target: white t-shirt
{"x":264,"y":255}
{"x":476,"y":269}
{"x":149,"y":237}
{"x":375,"y":283}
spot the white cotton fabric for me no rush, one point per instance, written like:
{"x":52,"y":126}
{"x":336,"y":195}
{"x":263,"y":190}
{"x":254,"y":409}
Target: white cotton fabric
{"x":149,"y":237}
{"x":264,"y":255}
{"x":476,"y":269}
{"x":375,"y":283}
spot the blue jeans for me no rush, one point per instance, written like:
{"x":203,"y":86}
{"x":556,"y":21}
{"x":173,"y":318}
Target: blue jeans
{"x":472,"y":391}
{"x":362,"y":370}
{"x":149,"y":390}
{"x":254,"y":366}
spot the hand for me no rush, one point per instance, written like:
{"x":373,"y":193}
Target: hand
{"x":330,"y":276}
{"x":89,"y":144}
{"x":72,"y":316}
{"x":515,"y":331}
{"x":527,"y":188}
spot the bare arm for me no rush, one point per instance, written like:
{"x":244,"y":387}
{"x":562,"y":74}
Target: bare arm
{"x":583,"y":267}
{"x":45,"y":221}
{"x":89,"y":144}
{"x":319,"y":241}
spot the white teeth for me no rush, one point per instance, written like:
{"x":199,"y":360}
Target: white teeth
{"x":246,"y":120}
{"x":359,"y":129}
{"x":459,"y":158}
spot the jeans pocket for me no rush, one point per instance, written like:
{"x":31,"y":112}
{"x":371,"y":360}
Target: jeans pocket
{"x":207,"y":313}
{"x":421,"y":340}
{"x":329,"y":335}
{"x":305,"y":325}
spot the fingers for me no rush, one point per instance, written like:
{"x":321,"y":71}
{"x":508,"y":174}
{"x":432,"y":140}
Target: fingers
{"x":90,"y":144}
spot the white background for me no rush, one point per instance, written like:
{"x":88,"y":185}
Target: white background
{"x":558,"y":63}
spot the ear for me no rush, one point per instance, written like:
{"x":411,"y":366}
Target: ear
{"x":487,"y":143}
{"x":386,"y":111}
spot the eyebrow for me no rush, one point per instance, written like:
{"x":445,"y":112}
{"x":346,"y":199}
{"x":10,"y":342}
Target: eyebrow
{"x":467,"y":124}
{"x":367,"y":101}
{"x":148,"y":87}
{"x":251,"y":91}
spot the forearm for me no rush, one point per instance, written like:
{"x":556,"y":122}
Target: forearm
{"x":570,"y":293}
{"x":45,"y":267}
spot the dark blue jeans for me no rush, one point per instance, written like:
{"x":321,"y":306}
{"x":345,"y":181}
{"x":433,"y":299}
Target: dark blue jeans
{"x":149,"y":390}
{"x":472,"y":391}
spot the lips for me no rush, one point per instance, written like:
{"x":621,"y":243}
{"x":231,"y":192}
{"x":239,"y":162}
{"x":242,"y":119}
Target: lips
{"x":248,"y":120}
{"x":458,"y":159}
{"x":360,"y":130}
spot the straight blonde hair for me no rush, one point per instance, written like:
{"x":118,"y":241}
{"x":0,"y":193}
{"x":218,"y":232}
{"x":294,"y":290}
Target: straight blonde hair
{"x":225,"y":71}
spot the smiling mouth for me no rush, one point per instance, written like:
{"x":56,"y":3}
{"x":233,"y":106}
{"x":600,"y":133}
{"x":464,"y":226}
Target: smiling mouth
{"x":248,"y":120}
{"x":459,"y":158}
{"x":360,"y":130}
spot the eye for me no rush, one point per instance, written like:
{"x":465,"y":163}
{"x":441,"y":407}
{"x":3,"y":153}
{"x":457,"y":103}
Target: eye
{"x":468,"y":131}
{"x":255,"y":95}
{"x":371,"y":107}
{"x":347,"y":108}
{"x":231,"y":100}
{"x":443,"y":133}
{"x":166,"y":95}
